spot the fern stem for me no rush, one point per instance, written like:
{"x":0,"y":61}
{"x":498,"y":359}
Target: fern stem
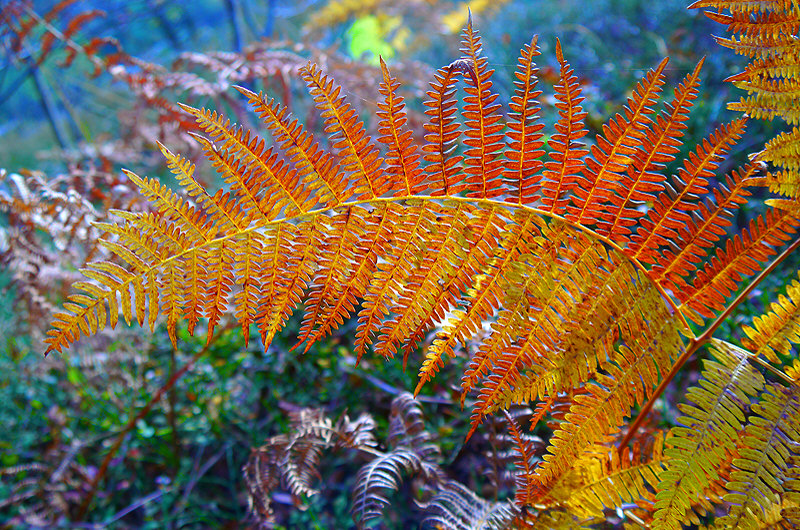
{"x":155,"y":398}
{"x":696,"y":342}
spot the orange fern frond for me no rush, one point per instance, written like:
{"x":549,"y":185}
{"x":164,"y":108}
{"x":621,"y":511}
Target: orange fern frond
{"x":347,"y":134}
{"x":314,"y":167}
{"x":525,"y":454}
{"x":740,"y":258}
{"x":523,"y":167}
{"x":402,"y":160}
{"x":612,"y":154}
{"x":640,"y":183}
{"x":701,"y":232}
{"x":568,"y":152}
{"x":671,"y":212}
{"x":484,"y":137}
{"x":443,"y":130}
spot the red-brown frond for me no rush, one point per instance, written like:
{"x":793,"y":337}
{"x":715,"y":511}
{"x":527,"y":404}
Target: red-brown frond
{"x":483,"y":236}
{"x":523,"y":167}
{"x":671,"y":211}
{"x":443,"y":169}
{"x":612,"y":153}
{"x":411,"y":232}
{"x":709,"y":223}
{"x":402,"y":160}
{"x":286,"y":273}
{"x":560,"y":175}
{"x":347,"y":134}
{"x":741,"y":257}
{"x":439,"y":264}
{"x":482,"y":118}
{"x":487,"y":292}
{"x":313,"y":165}
{"x":644,"y":177}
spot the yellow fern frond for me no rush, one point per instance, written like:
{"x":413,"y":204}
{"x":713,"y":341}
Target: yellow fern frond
{"x":707,"y":433}
{"x":775,"y":331}
{"x":766,"y":454}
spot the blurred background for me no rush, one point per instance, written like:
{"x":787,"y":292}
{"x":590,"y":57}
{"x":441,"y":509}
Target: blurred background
{"x":88,"y":88}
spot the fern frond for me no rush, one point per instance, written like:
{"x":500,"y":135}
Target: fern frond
{"x":384,"y":473}
{"x":672,"y":211}
{"x":188,"y":219}
{"x":630,"y":380}
{"x":701,"y":232}
{"x":524,"y":462}
{"x":707,"y":433}
{"x":770,"y":442}
{"x":740,"y":258}
{"x":407,"y":427}
{"x":640,"y":183}
{"x":86,"y":313}
{"x":611,"y":155}
{"x":314,"y":166}
{"x":523,"y":167}
{"x":339,"y":244}
{"x":775,"y":331}
{"x":183,"y":169}
{"x":443,"y":130}
{"x":347,"y":134}
{"x":263,"y":183}
{"x":773,"y":98}
{"x":484,"y":137}
{"x":567,"y":153}
{"x":402,"y":160}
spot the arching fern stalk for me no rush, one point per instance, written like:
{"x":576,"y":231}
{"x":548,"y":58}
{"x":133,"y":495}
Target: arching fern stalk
{"x":587,"y":264}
